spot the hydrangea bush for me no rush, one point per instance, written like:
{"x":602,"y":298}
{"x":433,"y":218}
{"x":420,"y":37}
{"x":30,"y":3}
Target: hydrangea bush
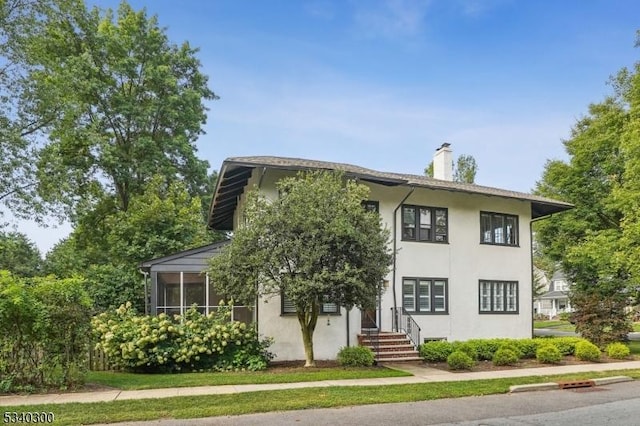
{"x":193,"y":342}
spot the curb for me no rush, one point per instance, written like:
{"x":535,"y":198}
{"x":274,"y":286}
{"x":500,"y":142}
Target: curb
{"x":555,"y":385}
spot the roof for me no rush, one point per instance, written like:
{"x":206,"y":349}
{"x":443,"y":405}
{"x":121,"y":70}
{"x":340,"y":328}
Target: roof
{"x":555,"y":295}
{"x":236,"y":171}
{"x":147,"y":264}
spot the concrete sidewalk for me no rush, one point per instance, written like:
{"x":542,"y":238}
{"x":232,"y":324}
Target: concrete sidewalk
{"x":420,"y":375}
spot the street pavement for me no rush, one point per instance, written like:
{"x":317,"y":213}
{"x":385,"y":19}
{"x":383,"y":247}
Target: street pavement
{"x":617,"y":404}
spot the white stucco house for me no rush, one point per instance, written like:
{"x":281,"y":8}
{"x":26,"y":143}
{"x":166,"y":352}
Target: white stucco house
{"x":462,"y":266}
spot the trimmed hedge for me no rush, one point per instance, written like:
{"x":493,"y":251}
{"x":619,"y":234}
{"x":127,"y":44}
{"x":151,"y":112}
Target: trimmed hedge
{"x":587,"y":351}
{"x":460,"y":360}
{"x":436,"y":351}
{"x":356,"y":356}
{"x":505,"y":356}
{"x":548,"y":354}
{"x":485,"y":349}
{"x":617,"y":350}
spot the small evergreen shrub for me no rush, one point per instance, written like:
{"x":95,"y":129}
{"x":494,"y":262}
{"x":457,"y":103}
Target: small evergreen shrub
{"x":436,"y":351}
{"x":587,"y":351}
{"x":486,"y":348}
{"x":617,"y":350}
{"x":527,"y":347}
{"x":505,"y":356}
{"x":356,"y":356}
{"x":468,"y":348}
{"x":548,"y":354}
{"x":513,"y":346}
{"x":460,"y":360}
{"x":566,"y":345}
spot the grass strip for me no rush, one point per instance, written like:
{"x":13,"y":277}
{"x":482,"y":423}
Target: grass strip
{"x":291,"y":399}
{"x":131,"y":381}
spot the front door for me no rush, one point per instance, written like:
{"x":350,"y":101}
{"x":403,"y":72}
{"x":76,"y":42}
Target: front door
{"x":369,"y":319}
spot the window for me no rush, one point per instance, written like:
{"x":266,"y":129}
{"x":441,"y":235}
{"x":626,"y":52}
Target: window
{"x":498,"y":297}
{"x":424,"y":295}
{"x":371,"y":206}
{"x":289,"y":308}
{"x":424,"y":224}
{"x":498,"y":228}
{"x":178,"y":291}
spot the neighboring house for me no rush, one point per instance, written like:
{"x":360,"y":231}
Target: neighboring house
{"x":462,"y":267}
{"x":556,"y":299}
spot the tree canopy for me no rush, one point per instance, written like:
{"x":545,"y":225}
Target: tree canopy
{"x":597,"y":242}
{"x":315,"y":244}
{"x":128,"y":105}
{"x":19,"y":255}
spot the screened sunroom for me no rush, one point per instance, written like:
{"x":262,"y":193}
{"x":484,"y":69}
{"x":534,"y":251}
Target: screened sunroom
{"x":179,"y":281}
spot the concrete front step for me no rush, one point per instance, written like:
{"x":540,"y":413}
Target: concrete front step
{"x":403,"y":359}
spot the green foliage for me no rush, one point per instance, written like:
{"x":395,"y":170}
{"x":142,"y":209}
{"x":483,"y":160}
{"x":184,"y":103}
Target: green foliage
{"x":548,"y":354}
{"x":356,"y":356}
{"x":617,"y":350}
{"x":314,"y":243}
{"x":129,"y":104}
{"x":598,"y":242}
{"x":468,"y":347}
{"x":566,"y":345}
{"x":195,"y":342}
{"x":527,"y":347}
{"x":19,"y":255}
{"x":587,"y":351}
{"x":436,"y":351}
{"x":44,"y":332}
{"x":505,"y":356}
{"x":459,"y":360}
{"x":486,"y":348}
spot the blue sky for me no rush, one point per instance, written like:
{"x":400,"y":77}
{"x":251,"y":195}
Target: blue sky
{"x":383,"y":83}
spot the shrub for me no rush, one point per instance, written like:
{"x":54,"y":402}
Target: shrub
{"x":459,"y":360}
{"x":356,"y":356}
{"x":566,"y":345}
{"x":195,"y":342}
{"x":548,"y":354}
{"x":44,"y":324}
{"x":505,"y":356}
{"x":587,"y":351}
{"x":436,"y":351}
{"x":617,"y":350}
{"x":527,"y":347}
{"x":486,"y":348}
{"x":468,"y":348}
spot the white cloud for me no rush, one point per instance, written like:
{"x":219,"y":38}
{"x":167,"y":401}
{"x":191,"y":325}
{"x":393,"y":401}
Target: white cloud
{"x":390,"y":18}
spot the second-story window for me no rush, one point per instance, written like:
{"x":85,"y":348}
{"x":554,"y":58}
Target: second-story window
{"x":498,"y":228}
{"x":429,"y":224}
{"x":371,"y":206}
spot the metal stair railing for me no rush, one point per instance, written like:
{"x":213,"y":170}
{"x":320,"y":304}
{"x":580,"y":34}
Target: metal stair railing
{"x":403,"y":321}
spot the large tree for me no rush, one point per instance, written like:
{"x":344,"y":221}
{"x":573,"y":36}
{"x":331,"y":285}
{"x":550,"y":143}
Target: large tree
{"x":315,"y":244}
{"x":128,"y":105}
{"x":20,"y":126}
{"x":19,"y":255}
{"x":597,"y":242}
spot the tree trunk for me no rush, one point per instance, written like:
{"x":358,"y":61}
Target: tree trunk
{"x":308,"y":322}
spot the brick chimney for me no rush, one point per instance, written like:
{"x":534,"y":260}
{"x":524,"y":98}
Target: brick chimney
{"x":443,"y":163}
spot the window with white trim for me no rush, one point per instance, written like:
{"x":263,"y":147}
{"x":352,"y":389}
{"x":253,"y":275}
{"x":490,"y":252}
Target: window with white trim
{"x":425,"y":295}
{"x":498,"y":297}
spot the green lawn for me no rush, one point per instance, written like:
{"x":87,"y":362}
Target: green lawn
{"x":567,"y":326}
{"x":290,"y":399}
{"x":130,"y":381}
